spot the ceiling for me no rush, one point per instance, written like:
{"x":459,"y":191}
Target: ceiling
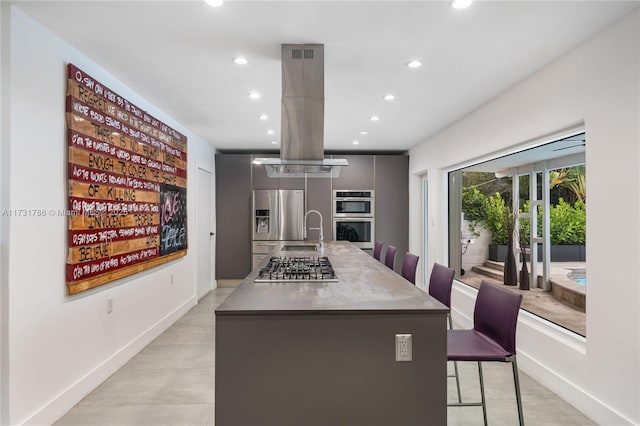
{"x":178,"y":55}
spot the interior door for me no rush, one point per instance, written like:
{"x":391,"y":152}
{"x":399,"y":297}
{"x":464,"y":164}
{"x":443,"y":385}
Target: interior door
{"x":206,"y":233}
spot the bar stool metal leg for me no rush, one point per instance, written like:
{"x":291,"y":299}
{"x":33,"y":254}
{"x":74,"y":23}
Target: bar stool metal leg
{"x":516,"y":382}
{"x":455,"y":364}
{"x":482,"y":399}
{"x":457,"y":376}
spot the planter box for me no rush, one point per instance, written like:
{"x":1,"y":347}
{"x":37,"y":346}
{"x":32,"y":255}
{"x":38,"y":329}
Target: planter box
{"x":497,"y":252}
{"x":570,"y":253}
{"x":559,"y":253}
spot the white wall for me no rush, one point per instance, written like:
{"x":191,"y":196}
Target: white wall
{"x":61,"y":347}
{"x":598,"y":84}
{"x":4,"y":161}
{"x":477,"y":252}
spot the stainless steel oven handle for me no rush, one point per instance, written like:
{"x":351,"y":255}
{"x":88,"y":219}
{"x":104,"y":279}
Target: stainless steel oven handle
{"x":369,"y":191}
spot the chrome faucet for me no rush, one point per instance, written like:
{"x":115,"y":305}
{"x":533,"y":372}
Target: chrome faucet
{"x":304,"y":225}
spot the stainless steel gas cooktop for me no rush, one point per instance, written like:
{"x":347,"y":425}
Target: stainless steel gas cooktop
{"x":297,"y":269}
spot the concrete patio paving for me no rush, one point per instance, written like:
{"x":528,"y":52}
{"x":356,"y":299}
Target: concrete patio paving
{"x":542,"y":303}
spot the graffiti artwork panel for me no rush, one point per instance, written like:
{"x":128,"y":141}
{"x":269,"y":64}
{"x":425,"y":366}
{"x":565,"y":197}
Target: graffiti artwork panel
{"x":173,"y":219}
{"x":127,"y":175}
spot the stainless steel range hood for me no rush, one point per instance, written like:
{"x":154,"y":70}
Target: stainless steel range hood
{"x":302,"y":120}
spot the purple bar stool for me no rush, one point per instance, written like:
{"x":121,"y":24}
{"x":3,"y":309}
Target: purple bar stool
{"x":440,"y":284}
{"x":377,"y":250}
{"x":409,"y":266}
{"x":390,"y":257}
{"x":493,"y":338}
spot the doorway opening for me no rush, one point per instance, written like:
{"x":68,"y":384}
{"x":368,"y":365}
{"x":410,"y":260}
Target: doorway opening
{"x":205,"y":227}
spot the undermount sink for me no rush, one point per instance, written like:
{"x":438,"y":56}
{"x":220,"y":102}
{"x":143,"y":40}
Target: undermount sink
{"x":300,"y":248}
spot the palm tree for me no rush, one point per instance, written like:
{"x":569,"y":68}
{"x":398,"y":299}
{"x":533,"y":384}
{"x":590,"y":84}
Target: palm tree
{"x":569,"y":184}
{"x":579,"y":187}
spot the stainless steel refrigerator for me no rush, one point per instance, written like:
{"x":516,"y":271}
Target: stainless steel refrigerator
{"x":278,"y":215}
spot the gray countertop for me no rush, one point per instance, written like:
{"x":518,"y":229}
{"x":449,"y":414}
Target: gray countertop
{"x":364,"y":286}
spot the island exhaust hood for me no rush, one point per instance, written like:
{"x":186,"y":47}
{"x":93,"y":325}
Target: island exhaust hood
{"x":302,"y":119}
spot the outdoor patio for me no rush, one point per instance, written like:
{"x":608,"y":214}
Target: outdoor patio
{"x":537,"y":301}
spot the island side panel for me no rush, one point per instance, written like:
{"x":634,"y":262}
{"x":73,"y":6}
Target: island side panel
{"x":329,"y":369}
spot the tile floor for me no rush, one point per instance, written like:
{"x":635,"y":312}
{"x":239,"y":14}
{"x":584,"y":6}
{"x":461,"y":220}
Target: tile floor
{"x":171,"y":382}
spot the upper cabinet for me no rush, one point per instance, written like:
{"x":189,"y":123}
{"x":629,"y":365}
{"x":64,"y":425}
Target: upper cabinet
{"x":290,"y":183}
{"x":392,"y":202}
{"x":359,"y":174}
{"x":260,"y":180}
{"x":319,"y":198}
{"x":259,"y":177}
{"x":233,"y":215}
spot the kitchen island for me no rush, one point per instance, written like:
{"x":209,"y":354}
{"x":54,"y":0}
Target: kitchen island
{"x":324,"y":353}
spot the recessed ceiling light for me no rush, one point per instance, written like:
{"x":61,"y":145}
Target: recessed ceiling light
{"x":254,"y":95}
{"x":414,"y":64}
{"x":460,"y":4}
{"x":356,"y":142}
{"x":364,"y":133}
{"x":263,"y":117}
{"x":241,"y":60}
{"x":374,"y":118}
{"x":274,"y":142}
{"x":388,"y":97}
{"x":214,"y":3}
{"x":270,"y":132}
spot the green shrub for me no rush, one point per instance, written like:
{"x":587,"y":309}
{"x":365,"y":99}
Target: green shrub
{"x":525,"y":225}
{"x":473,"y":204}
{"x":474,"y":208}
{"x":568,"y":223}
{"x":496,"y":218}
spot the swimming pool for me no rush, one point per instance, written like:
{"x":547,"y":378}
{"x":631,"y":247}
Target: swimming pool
{"x":578,"y":275}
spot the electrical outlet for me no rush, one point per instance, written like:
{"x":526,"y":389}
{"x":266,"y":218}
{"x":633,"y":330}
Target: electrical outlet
{"x":404,"y":350}
{"x":171,"y":282}
{"x":109,"y":305}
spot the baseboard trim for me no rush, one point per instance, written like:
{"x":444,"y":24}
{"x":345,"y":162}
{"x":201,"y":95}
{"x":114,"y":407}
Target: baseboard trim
{"x":589,"y":405}
{"x":228,"y":283}
{"x":67,"y":399}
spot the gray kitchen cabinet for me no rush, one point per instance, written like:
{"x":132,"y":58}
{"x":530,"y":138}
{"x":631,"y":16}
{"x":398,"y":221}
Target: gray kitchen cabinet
{"x":236,"y":177}
{"x":233,"y":216}
{"x":359,"y":174}
{"x":259,"y":177}
{"x":392,"y":203}
{"x":319,"y":355}
{"x":290,"y":183}
{"x":319,"y":198}
{"x":260,"y":180}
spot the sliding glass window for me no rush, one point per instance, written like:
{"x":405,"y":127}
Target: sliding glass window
{"x":525,"y":213}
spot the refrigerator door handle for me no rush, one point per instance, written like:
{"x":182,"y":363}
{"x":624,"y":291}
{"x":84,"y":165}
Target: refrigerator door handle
{"x":275,"y":200}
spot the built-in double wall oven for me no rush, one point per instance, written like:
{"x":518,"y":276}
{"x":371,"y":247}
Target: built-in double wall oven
{"x":353,"y":217}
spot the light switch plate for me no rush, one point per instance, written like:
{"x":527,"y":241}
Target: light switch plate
{"x":404,"y":350}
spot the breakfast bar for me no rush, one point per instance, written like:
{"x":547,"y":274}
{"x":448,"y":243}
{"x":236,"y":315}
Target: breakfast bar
{"x":324,"y":352}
